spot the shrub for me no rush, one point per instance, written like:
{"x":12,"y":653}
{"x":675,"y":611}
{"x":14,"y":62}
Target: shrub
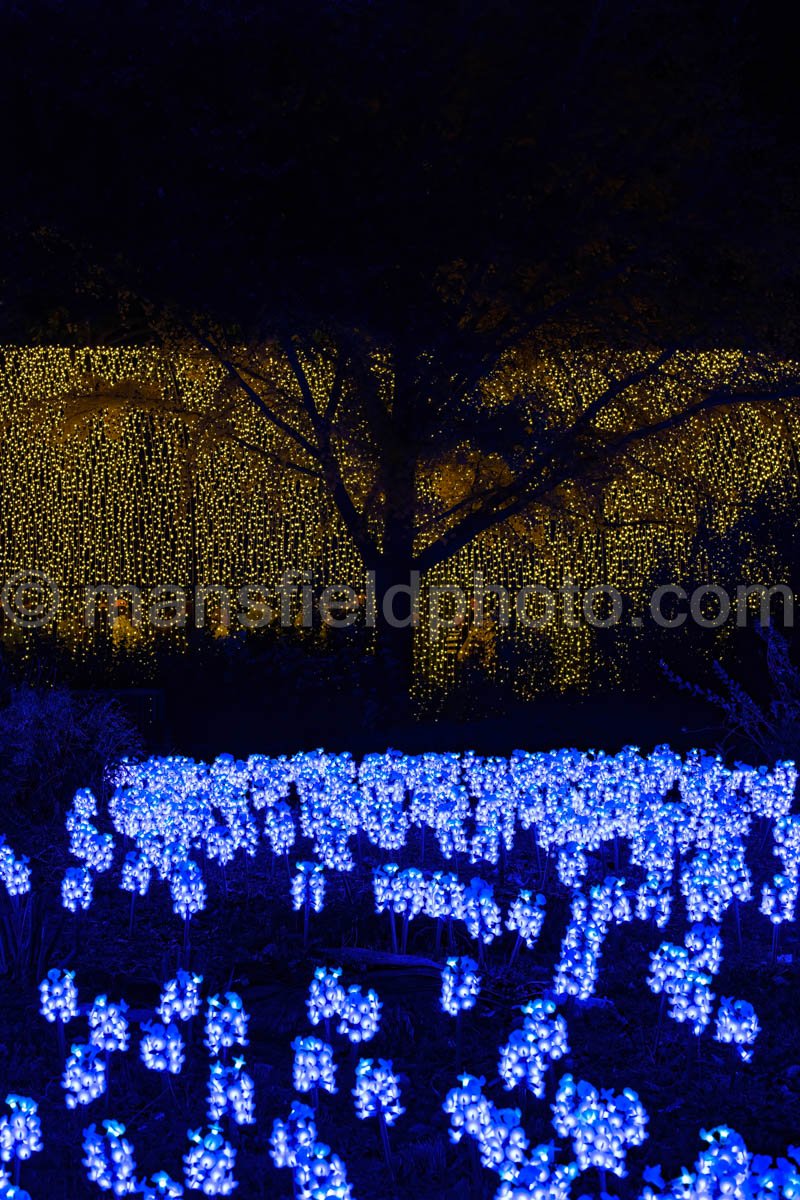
{"x":53,"y":740}
{"x":768,"y":726}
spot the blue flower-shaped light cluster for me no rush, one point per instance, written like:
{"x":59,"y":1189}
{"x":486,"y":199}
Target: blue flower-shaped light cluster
{"x":500,"y":1139}
{"x":383,"y":787}
{"x":440,"y":800}
{"x":288,"y":1137}
{"x":524,"y":1059}
{"x":581,"y":947}
{"x":180,"y":998}
{"x":226,"y":1023}
{"x":360,"y":1015}
{"x":407,"y":892}
{"x":313,"y":1065}
{"x":77,"y":889}
{"x":231,"y":1091}
{"x":603,"y":1125}
{"x":136,"y":873}
{"x":769,"y":791}
{"x":108,"y":1025}
{"x":279,"y":828}
{"x":326,"y":785}
{"x":86,"y":842}
{"x":402,"y":893}
{"x":80,"y":832}
{"x":692,"y":1001}
{"x":653,"y":898}
{"x":109,"y":1159}
{"x":610,"y":903}
{"x":572,"y":864}
{"x":482,"y":914}
{"x":84,"y":806}
{"x":209,"y":1163}
{"x":270,"y":780}
{"x":737,"y":1023}
{"x":220,"y":845}
{"x":58,"y":997}
{"x":160,"y":1185}
{"x":786,"y":835}
{"x":308,"y":886}
{"x":526,"y":917}
{"x":489,"y":782}
{"x":15,"y":873}
{"x":21,"y":1131}
{"x":674,"y":973}
{"x":707,"y":886}
{"x":187,"y":888}
{"x":382,"y":885}
{"x":84,"y":1077}
{"x":727,"y":1168}
{"x":779,"y":898}
{"x":326,"y":995}
{"x":668,"y":967}
{"x":461,"y":984}
{"x":377,"y":1091}
{"x":161,"y":1047}
{"x":99,"y":852}
{"x":540,"y":1179}
{"x":704,"y":943}
{"x":444,"y":897}
{"x":317,"y":1173}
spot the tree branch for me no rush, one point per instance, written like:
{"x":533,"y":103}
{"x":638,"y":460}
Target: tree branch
{"x":353,"y":520}
{"x":336,"y":388}
{"x":259,"y":400}
{"x":516,"y":497}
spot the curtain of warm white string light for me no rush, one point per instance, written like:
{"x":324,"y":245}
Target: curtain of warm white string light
{"x":118,"y":493}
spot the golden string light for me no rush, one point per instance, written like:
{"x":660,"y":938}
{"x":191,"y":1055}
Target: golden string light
{"x":113,"y":473}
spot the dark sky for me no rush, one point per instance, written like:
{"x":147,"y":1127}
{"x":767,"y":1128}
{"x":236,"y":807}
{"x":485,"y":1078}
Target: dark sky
{"x":311,"y":160}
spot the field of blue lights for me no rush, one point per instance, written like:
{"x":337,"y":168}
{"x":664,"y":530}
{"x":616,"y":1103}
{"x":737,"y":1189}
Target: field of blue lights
{"x":524,"y":978}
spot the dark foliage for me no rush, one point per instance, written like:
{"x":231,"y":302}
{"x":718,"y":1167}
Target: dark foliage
{"x":54,"y":740}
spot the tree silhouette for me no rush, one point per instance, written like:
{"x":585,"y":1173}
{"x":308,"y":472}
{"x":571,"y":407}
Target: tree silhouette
{"x":486,"y":242}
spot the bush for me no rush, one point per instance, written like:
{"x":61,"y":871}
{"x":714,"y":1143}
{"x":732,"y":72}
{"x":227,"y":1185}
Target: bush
{"x":53,"y":740}
{"x":768,"y":727}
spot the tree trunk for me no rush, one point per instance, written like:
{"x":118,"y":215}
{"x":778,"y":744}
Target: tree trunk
{"x":396,"y":584}
{"x":395,"y":614}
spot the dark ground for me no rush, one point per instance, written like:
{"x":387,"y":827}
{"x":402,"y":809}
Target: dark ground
{"x":607,"y":722}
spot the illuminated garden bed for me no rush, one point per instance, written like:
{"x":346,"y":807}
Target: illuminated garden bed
{"x":414,"y":975}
